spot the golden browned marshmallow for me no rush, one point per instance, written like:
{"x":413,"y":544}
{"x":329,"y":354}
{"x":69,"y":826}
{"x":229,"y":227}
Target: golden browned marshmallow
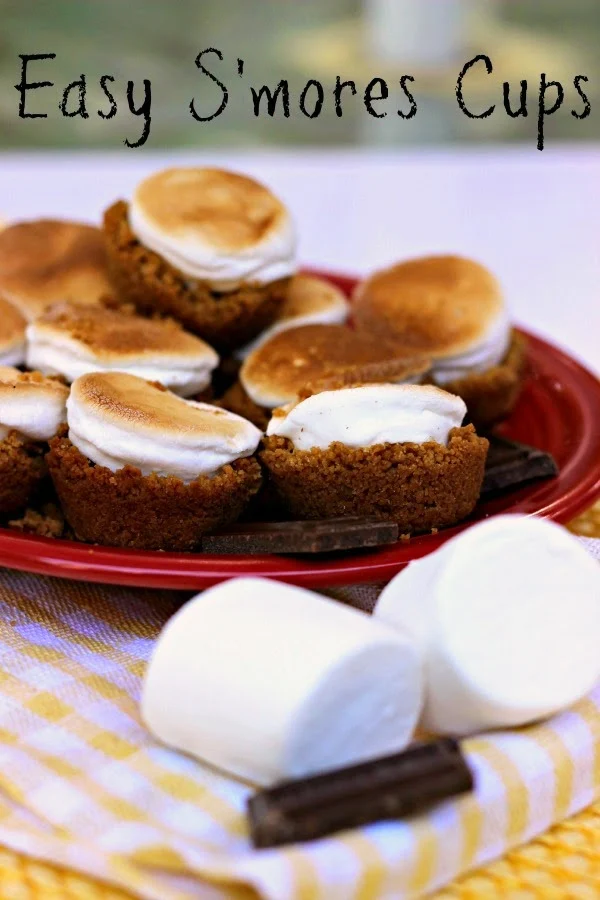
{"x":117,"y":419}
{"x":30,"y":404}
{"x":309,"y":301}
{"x":214,"y":226}
{"x":49,"y":260}
{"x":12,"y":335}
{"x":447,"y":307}
{"x":71,"y":340}
{"x":291,"y":361}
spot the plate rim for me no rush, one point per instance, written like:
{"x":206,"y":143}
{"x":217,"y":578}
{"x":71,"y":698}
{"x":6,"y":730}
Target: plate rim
{"x":194,"y":571}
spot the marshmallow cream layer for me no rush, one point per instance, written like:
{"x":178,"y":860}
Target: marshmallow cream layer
{"x":370,"y":414}
{"x":481,"y":356}
{"x":215,"y":226}
{"x":53,"y":353}
{"x":33,"y":407}
{"x":130,"y":422}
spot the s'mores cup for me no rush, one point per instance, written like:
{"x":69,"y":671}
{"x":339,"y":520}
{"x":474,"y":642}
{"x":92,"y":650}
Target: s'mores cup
{"x":12,"y":335}
{"x":142,"y":467}
{"x":49,"y":260}
{"x":32,"y":410}
{"x":213,"y":249}
{"x":310,"y":357}
{"x":310,"y":301}
{"x":451,"y":309}
{"x":72,"y":340}
{"x":393,"y":451}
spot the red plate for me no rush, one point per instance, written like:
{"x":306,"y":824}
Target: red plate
{"x":559,"y":411}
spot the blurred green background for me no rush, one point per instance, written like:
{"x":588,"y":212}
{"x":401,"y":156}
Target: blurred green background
{"x":298,"y":40}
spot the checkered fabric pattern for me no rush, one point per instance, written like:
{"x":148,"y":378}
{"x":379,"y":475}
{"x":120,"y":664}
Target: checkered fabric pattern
{"x":82,"y":784}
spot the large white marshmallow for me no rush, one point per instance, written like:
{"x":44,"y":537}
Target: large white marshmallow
{"x":269,"y":681}
{"x":369,"y":415}
{"x":507,"y":618}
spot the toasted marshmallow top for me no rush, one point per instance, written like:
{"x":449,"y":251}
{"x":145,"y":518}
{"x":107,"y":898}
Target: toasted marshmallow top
{"x":282,"y":367}
{"x":309,"y":301}
{"x":47,"y":260}
{"x":31,"y":405}
{"x":214,"y":226}
{"x":444,"y":306}
{"x":370,"y":414}
{"x":72,"y":340}
{"x":116,"y":419}
{"x":12,"y":335}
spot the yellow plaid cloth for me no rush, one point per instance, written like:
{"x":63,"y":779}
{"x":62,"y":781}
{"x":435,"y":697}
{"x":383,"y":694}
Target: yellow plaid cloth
{"x":84,"y":785}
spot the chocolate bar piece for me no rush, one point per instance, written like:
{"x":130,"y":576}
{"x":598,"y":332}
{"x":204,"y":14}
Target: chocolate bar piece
{"x":318,"y":536}
{"x":511,"y":464}
{"x":386,"y":788}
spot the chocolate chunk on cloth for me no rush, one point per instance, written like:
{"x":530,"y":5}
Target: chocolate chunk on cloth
{"x":388,"y":788}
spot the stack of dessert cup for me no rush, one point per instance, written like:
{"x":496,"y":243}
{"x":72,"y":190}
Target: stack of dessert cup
{"x":168,"y":369}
